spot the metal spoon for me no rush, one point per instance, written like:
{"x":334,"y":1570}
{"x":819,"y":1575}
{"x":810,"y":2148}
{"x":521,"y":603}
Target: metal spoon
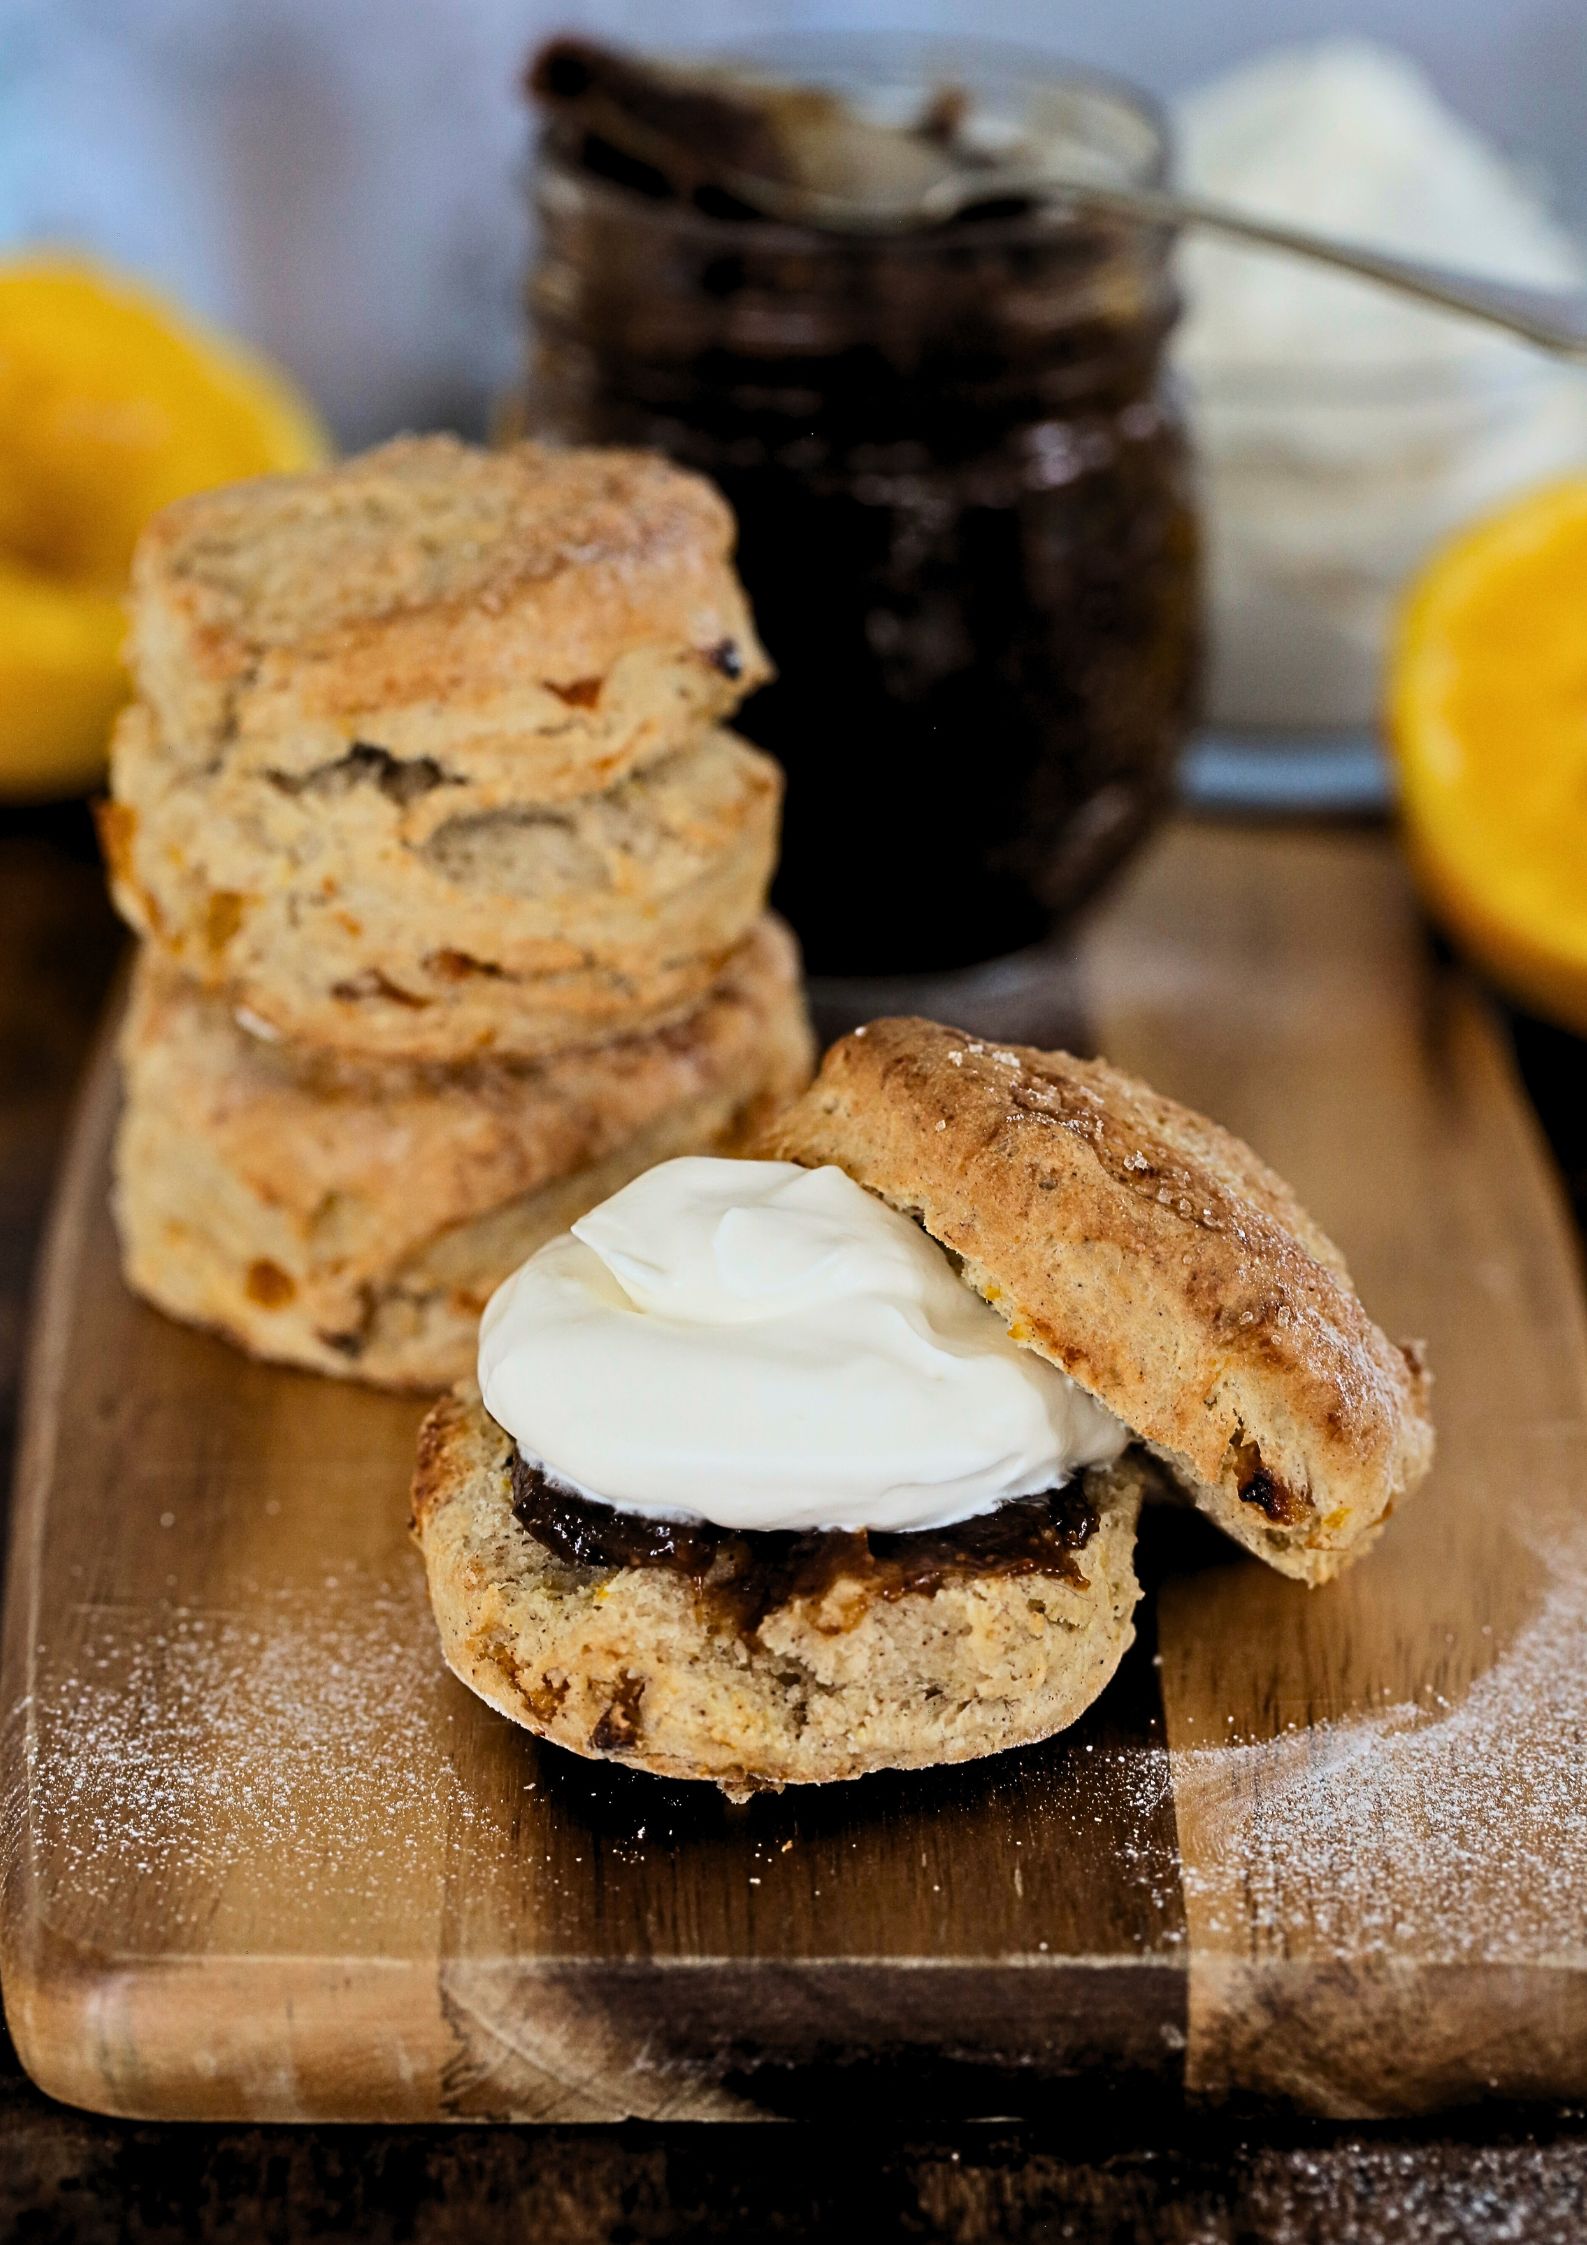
{"x":1552,"y":319}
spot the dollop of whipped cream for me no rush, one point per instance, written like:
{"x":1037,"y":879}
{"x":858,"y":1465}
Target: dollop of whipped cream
{"x":765,"y":1346}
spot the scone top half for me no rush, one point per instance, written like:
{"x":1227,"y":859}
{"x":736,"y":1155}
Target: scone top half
{"x":1151,"y":1256}
{"x":527,"y":615}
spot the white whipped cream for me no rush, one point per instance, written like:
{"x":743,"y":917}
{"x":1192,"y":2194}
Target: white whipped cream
{"x":1343,"y":431}
{"x":765,"y":1346}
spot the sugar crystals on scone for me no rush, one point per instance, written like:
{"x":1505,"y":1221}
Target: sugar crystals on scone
{"x":1155,"y":1258}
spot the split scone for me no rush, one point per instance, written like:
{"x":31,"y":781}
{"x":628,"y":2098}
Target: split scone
{"x":1153,"y":1257}
{"x":754,"y":1488}
{"x":355,"y":1217}
{"x":829,"y":1459}
{"x":427,"y":758}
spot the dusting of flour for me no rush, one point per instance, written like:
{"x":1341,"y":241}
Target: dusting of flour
{"x":1452,"y":1832}
{"x":306,"y":1741}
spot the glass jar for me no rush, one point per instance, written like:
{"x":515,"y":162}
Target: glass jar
{"x":963,"y":501}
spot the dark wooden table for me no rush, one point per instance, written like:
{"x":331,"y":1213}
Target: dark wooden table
{"x":1099,"y":2167}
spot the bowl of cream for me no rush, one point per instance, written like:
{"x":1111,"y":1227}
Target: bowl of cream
{"x":1344,"y":431}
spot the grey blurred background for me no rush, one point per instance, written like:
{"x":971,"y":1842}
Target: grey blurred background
{"x":341,"y":180}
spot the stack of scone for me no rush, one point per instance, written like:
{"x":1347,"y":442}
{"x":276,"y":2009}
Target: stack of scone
{"x":451,"y":882}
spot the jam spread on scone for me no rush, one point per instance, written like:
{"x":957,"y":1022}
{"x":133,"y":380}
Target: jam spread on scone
{"x":742,"y":1578}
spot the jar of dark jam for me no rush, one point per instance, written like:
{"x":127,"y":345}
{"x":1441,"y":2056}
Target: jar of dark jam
{"x":963,"y":504}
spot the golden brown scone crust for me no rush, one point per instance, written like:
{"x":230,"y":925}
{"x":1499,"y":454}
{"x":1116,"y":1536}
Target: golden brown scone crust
{"x":361,"y":917}
{"x":629,"y":1665}
{"x":356,"y":1218}
{"x":541,"y":619}
{"x":1150,"y":1255}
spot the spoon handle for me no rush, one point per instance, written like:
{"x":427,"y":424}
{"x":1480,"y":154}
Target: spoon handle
{"x":1553,"y":319}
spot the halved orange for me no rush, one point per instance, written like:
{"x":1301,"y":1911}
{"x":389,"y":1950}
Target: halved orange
{"x":111,"y":404}
{"x":1488,"y":719}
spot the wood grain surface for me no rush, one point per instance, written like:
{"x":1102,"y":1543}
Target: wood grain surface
{"x":264,"y":1859}
{"x":1380,"y":1789}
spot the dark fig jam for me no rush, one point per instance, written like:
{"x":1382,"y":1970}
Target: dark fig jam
{"x":964,"y":519}
{"x":741,"y":1578}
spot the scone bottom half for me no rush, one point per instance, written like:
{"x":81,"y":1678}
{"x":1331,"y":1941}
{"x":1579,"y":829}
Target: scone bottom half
{"x":803,"y":1666}
{"x":1153,"y":1257}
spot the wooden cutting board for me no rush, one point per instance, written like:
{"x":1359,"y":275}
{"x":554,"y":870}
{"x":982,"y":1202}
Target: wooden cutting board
{"x":264,"y":1859}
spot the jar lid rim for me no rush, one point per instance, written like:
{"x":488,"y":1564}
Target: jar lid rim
{"x":931,"y":56}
